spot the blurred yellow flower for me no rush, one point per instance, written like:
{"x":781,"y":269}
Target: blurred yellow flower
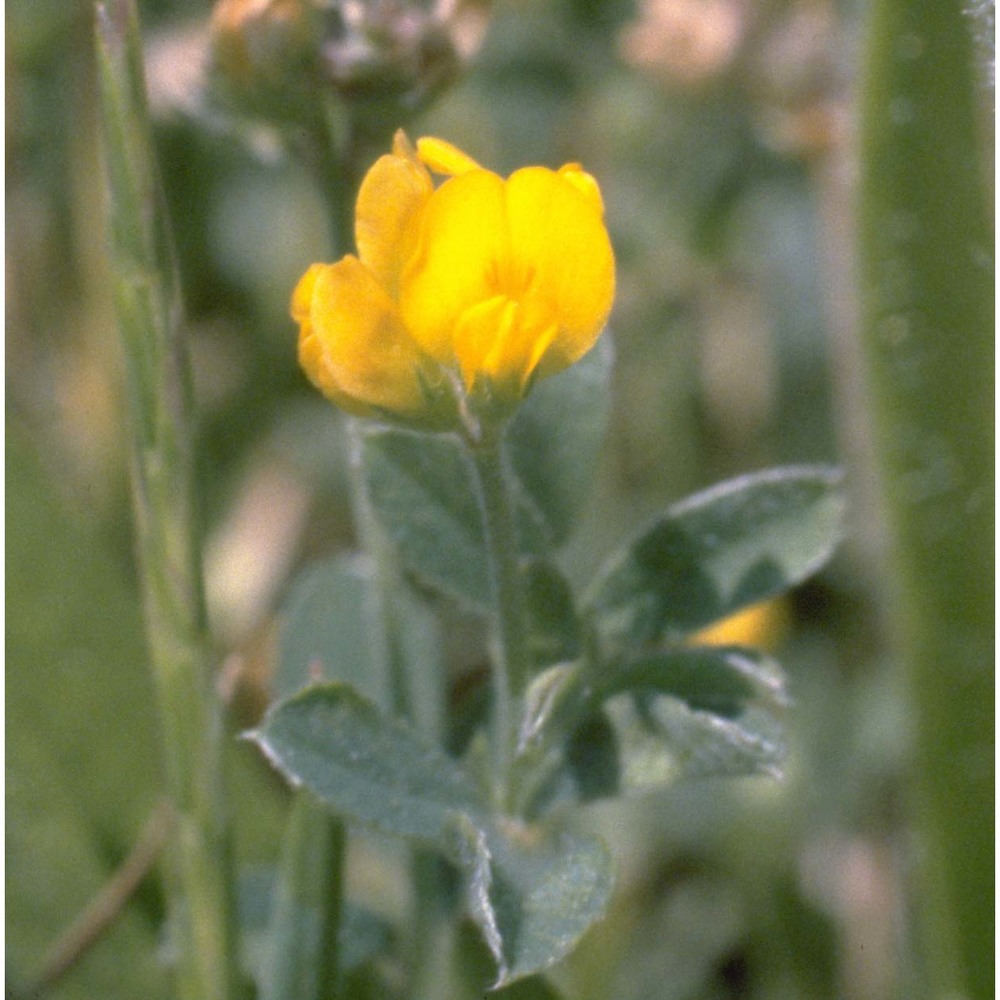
{"x":481,"y":285}
{"x":760,"y":626}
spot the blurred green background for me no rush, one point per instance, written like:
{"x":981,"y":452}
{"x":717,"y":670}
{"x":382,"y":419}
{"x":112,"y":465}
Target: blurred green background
{"x":721,"y":132}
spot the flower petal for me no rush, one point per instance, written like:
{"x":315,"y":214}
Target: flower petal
{"x":387,"y":220}
{"x":477,"y":333}
{"x":353,"y":344}
{"x":444,"y":158}
{"x":562,"y":254}
{"x":584,"y":183}
{"x":462,"y":248}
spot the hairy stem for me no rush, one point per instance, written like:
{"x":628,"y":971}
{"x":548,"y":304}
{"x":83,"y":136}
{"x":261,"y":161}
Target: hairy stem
{"x":510,"y":662}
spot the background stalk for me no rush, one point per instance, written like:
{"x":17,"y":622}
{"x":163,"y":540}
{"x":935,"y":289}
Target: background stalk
{"x":928,"y":321}
{"x":308,"y":911}
{"x":157,"y":385}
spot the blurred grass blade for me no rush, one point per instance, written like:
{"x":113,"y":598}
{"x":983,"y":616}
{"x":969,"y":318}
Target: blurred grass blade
{"x":304,"y":931}
{"x":928,"y":321}
{"x":158,"y":395}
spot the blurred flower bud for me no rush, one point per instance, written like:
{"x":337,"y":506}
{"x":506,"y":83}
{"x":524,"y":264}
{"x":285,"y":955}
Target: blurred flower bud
{"x":265,"y":56}
{"x":275,"y":58}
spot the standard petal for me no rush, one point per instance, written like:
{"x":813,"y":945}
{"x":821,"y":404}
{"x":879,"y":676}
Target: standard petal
{"x":387,"y":220}
{"x":562,"y":259}
{"x":353,"y":344}
{"x":458,"y":264}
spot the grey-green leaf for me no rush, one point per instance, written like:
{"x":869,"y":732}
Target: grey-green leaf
{"x":424,"y":495}
{"x":364,"y":935}
{"x":678,"y":713}
{"x":365,"y":767}
{"x":532,"y":892}
{"x":710,"y":555}
{"x":325,"y":631}
{"x":423,"y":492}
{"x":722,"y":680}
{"x":553,"y":625}
{"x":555,"y":439}
{"x":661,"y":740}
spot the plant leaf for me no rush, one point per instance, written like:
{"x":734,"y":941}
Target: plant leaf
{"x":555,"y":439}
{"x":718,"y":679}
{"x":532,"y":892}
{"x":325,"y":631}
{"x":679,"y":713}
{"x":553,"y":626}
{"x":326,"y":634}
{"x":365,"y":767}
{"x":364,"y":935}
{"x":661,"y":740}
{"x":714,"y":553}
{"x":423,"y":491}
{"x":548,"y":697}
{"x":424,"y":494}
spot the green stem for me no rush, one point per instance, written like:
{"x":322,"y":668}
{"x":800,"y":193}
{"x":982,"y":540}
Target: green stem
{"x":928,"y":334}
{"x":157,"y":382}
{"x":510,"y":663}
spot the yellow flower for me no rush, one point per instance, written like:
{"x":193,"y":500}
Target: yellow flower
{"x":761,"y":625}
{"x":481,"y":285}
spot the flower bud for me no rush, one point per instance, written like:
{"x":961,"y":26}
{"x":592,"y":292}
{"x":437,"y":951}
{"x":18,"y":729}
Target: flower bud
{"x":274,"y":58}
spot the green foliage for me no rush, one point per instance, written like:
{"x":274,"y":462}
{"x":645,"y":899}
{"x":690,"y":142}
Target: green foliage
{"x":653,"y":720}
{"x":695,"y":713}
{"x":363,"y":935}
{"x":370,"y":768}
{"x":424,"y":494}
{"x":554,"y":627}
{"x":599,"y":719}
{"x":304,"y":929}
{"x":421,"y":489}
{"x":324,"y":631}
{"x":327,"y":624}
{"x":556,"y":436}
{"x":532,"y":892}
{"x":715,"y":553}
